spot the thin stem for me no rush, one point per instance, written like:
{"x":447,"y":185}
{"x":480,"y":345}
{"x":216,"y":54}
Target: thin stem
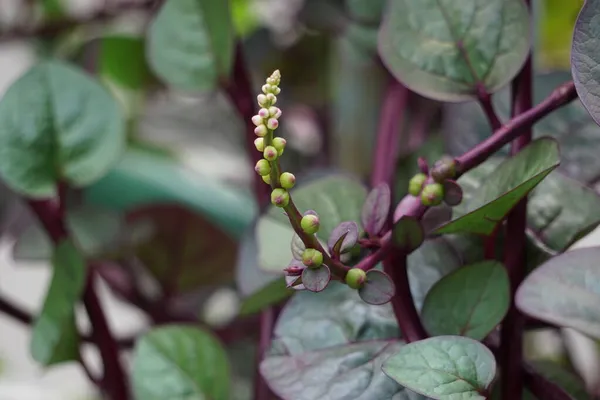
{"x":485,"y":100}
{"x":390,"y":120}
{"x":511,"y":347}
{"x":267,"y":322}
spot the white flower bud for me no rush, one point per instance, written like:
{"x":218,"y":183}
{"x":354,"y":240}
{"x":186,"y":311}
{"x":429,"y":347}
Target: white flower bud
{"x":260,"y":130}
{"x":257,"y":120}
{"x":262,"y":100}
{"x":275,"y":112}
{"x":266,"y":88}
{"x":272,"y":123}
{"x":271,"y":98}
{"x":263,"y":112}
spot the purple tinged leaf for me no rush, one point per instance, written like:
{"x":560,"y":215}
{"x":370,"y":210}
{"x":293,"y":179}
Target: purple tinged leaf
{"x":294,"y":282}
{"x":378,"y":289}
{"x":297,"y":247}
{"x":316,"y":279}
{"x":408,"y":233}
{"x":310,"y":212}
{"x":343,"y":237}
{"x":453,"y":193}
{"x":435,"y":217}
{"x":376,"y":209}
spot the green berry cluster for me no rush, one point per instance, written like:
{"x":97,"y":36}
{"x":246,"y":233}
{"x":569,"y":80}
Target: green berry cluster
{"x":267,"y":121}
{"x":432,"y":193}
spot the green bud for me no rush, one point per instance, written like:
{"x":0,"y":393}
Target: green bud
{"x":432,"y":194}
{"x":270,"y":153}
{"x":259,"y":143}
{"x":267,"y":179}
{"x":261,"y":131}
{"x":416,"y":184}
{"x":287,"y":180}
{"x":280,"y":197}
{"x":444,"y":169}
{"x":355,"y":278}
{"x":310,"y":224}
{"x":279,"y":143}
{"x":312,"y":258}
{"x":262,"y":167}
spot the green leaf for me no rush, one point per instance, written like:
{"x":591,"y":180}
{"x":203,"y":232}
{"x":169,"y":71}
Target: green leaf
{"x":57,"y":124}
{"x":55,"y":338}
{"x":185,"y":250}
{"x":270,"y":294}
{"x":94,"y":231}
{"x":141,"y":178}
{"x":447,"y":49}
{"x":512,"y":181}
{"x":470,"y":301}
{"x":351,"y":372}
{"x":335,"y":316}
{"x":444,"y":368}
{"x":53,"y":9}
{"x":335,"y":198}
{"x":122,"y":60}
{"x":408,"y":233}
{"x":576,"y":276}
{"x":578,"y":136}
{"x":190,"y":43}
{"x":568,"y":381}
{"x":177,"y":362}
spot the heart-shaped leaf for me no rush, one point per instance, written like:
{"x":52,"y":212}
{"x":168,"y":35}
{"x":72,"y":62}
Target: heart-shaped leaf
{"x":57,"y":125}
{"x":351,"y":372}
{"x":343,"y":237}
{"x":448,"y":49}
{"x":185,"y":251}
{"x":512,"y":181}
{"x":444,"y":368}
{"x":335,"y":198}
{"x":316,"y":279}
{"x":54,"y":337}
{"x":190,"y":43}
{"x":408,"y":233}
{"x":470,"y":301}
{"x":378,"y":288}
{"x":576,"y":276}
{"x":584,"y":58}
{"x":180,"y":362}
{"x":376,"y":209}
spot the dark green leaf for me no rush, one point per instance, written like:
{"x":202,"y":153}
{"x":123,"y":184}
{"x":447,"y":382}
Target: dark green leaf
{"x":122,"y":60}
{"x":512,"y":181}
{"x":584,"y":57}
{"x":268,"y":295}
{"x":444,"y":368}
{"x":571,"y":383}
{"x":351,"y":372}
{"x":335,"y":198}
{"x":378,"y":288}
{"x":185,"y":251}
{"x":565,"y":291}
{"x":470,"y":301}
{"x":316,"y":280}
{"x":176,"y":362}
{"x":446,"y":49}
{"x":57,"y":124}
{"x":55,"y":338}
{"x":408,"y":233}
{"x":577,"y":134}
{"x":376,"y":209}
{"x":190,"y":43}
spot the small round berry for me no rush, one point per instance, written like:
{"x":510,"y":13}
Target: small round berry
{"x":432,"y":194}
{"x":279,"y":143}
{"x":312,"y":258}
{"x":271,"y":98}
{"x":310,"y":224}
{"x":275,"y":112}
{"x":266,"y":88}
{"x":262,"y":167}
{"x":259,"y":143}
{"x":287,"y":180}
{"x":261,"y":131}
{"x":270,"y":153}
{"x":263,"y":113}
{"x":280,"y":197}
{"x":272,"y":123}
{"x":257,"y":120}
{"x":355,"y":278}
{"x":416,"y":184}
{"x":262,"y":100}
{"x":444,"y":169}
{"x":267,"y":179}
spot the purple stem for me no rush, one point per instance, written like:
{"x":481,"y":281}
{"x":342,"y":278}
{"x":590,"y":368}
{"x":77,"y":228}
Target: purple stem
{"x":485,"y":100}
{"x":267,"y":322}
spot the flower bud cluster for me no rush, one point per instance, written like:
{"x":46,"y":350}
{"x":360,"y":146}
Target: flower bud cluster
{"x":432,"y":191}
{"x":266,"y":122}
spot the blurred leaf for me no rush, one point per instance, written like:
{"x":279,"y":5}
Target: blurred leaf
{"x":52,"y":9}
{"x":556,"y":25}
{"x":268,"y":295}
{"x":190,"y":43}
{"x":512,"y":181}
{"x":316,"y":279}
{"x":576,"y":276}
{"x":94,"y":230}
{"x":185,"y":251}
{"x":54,"y":337}
{"x":243,"y":17}
{"x":445,"y":49}
{"x":58,"y":124}
{"x":571,"y":383}
{"x":335,"y":198}
{"x":470,"y":301}
{"x":376,"y":209}
{"x":408,"y":233}
{"x":351,"y":372}
{"x":141,"y":178}
{"x":365,"y":11}
{"x":444,"y":367}
{"x":180,"y":362}
{"x":577,"y":134}
{"x":122,"y":59}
